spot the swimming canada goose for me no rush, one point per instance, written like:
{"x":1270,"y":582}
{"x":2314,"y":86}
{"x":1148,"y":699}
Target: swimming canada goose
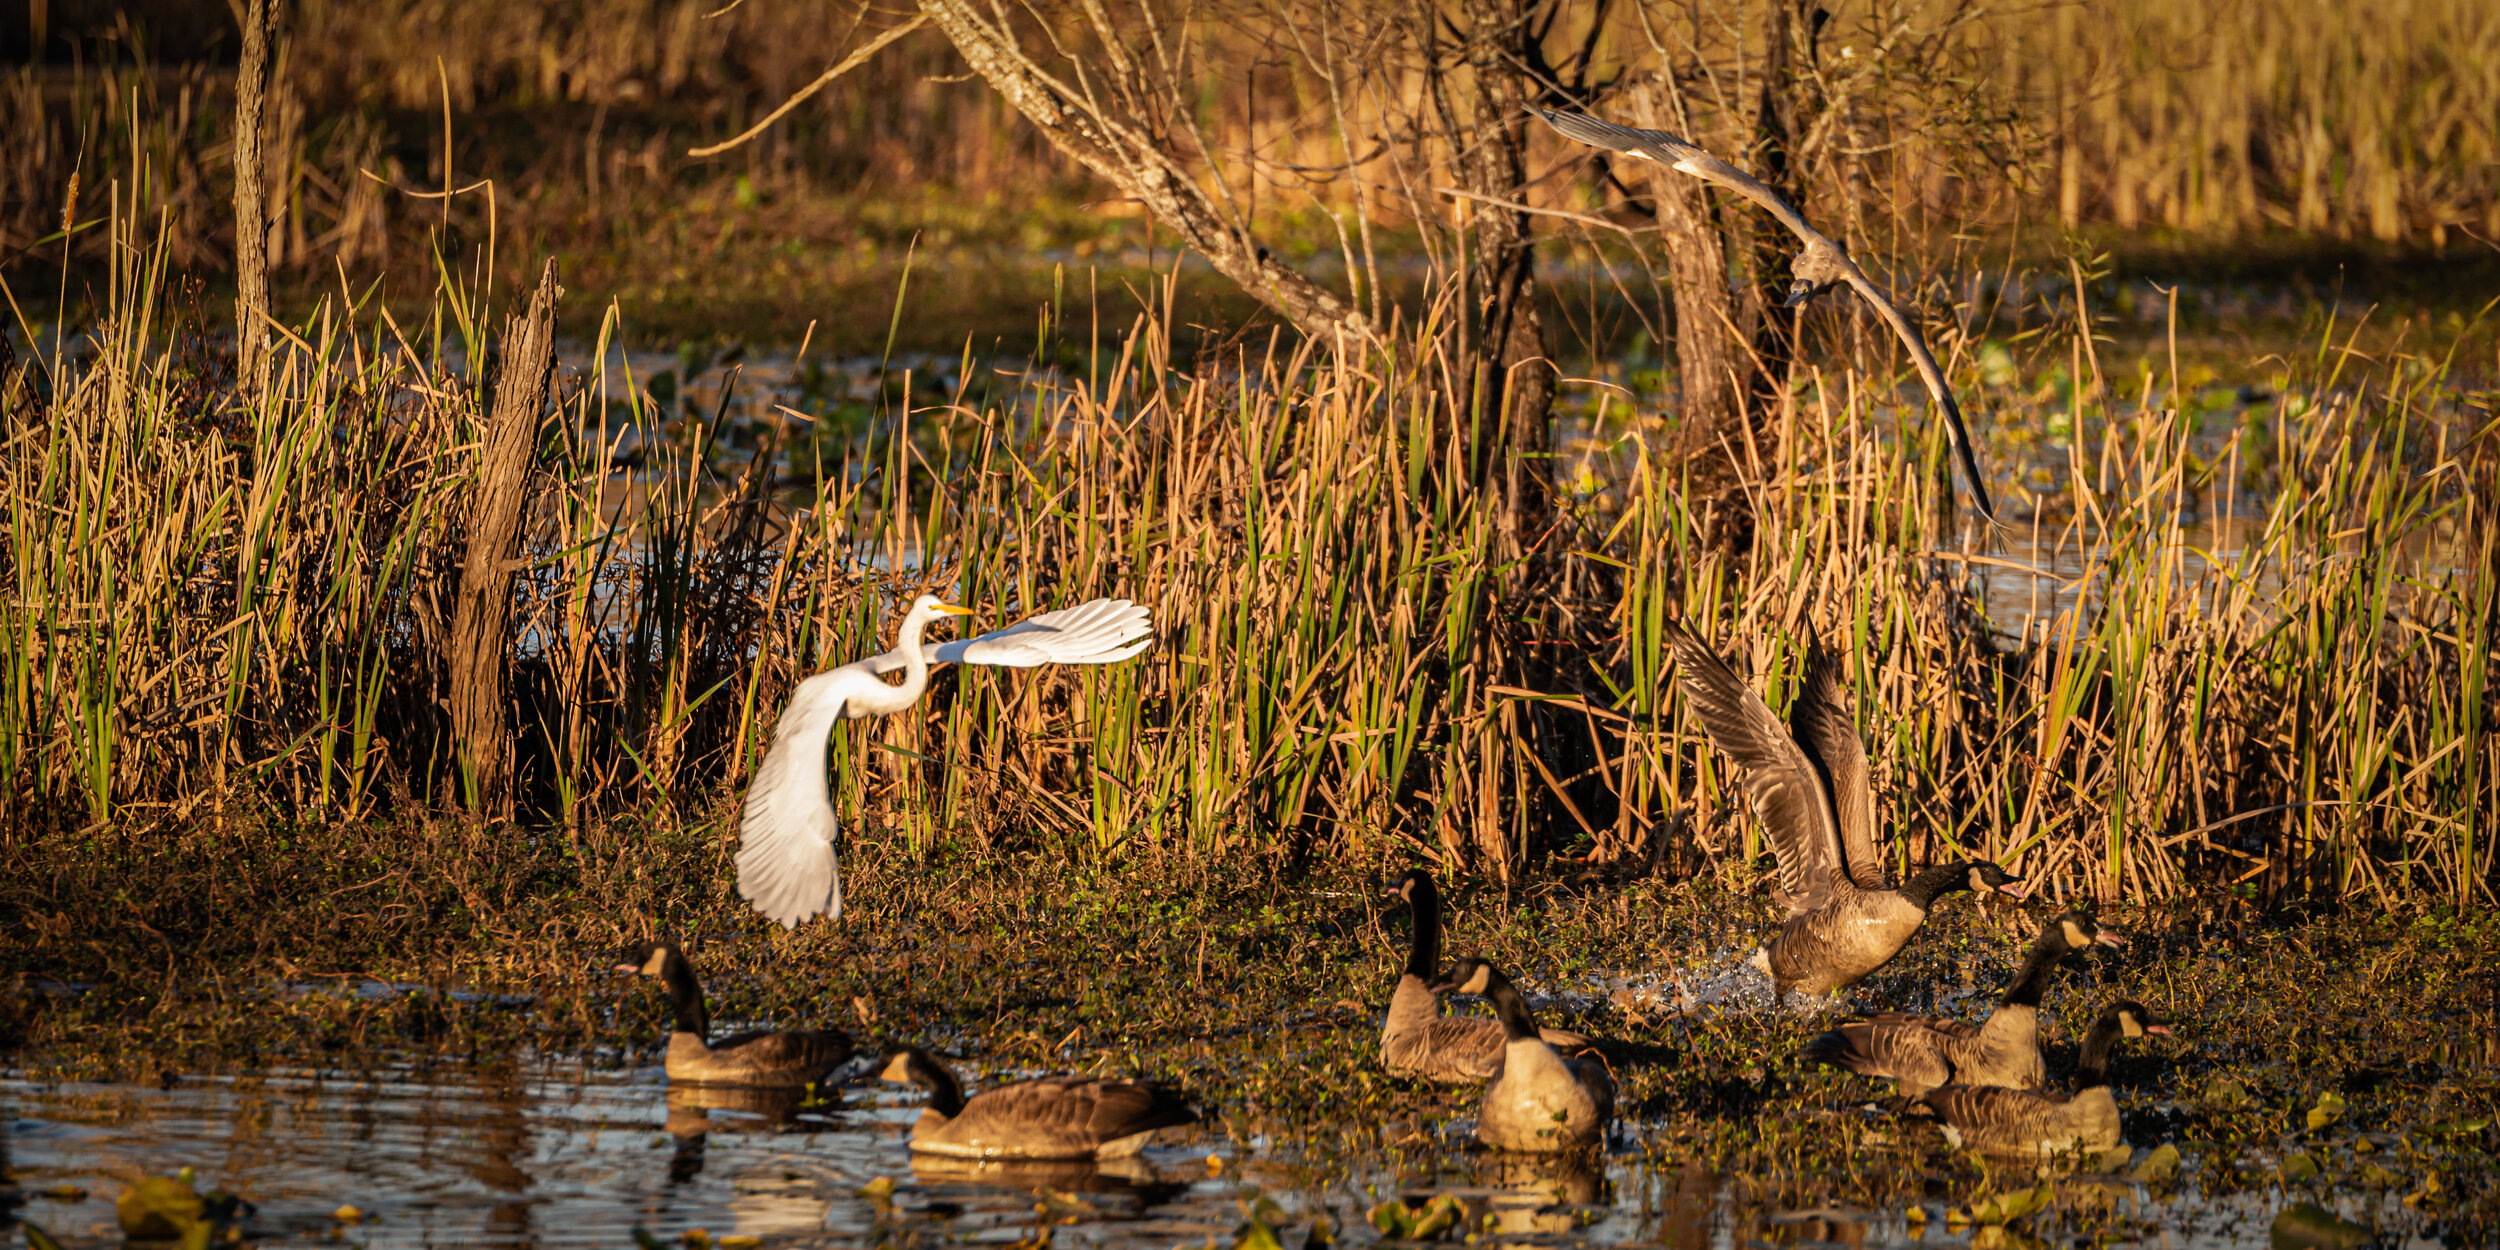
{"x":1539,"y":1102}
{"x":1823,"y":265}
{"x":792,"y":1058}
{"x":1809,"y":789}
{"x":1995,"y":1120}
{"x":1926,"y":1052}
{"x":1051,"y":1117}
{"x":785,"y":853}
{"x":1418,"y":1040}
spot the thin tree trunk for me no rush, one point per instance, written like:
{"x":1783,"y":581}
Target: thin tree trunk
{"x":251,"y":217}
{"x":481,"y":631}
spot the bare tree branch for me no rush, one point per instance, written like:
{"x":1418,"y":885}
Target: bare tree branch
{"x":1119,"y":150}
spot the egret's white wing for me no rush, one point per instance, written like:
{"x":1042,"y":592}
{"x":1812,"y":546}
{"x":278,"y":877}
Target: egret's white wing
{"x":785,"y":844}
{"x":1103,"y":631}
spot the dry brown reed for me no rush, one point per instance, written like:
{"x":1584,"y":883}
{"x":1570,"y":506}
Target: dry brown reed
{"x":227,"y":599}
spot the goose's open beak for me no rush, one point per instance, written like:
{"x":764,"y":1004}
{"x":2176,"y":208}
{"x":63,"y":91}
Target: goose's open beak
{"x":2107,"y":938}
{"x":2162,"y":1030}
{"x":2011,"y":890}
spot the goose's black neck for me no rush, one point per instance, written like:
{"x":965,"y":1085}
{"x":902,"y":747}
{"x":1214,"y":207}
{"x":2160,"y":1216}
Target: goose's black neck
{"x":2092,"y":1063}
{"x":946,"y":1094}
{"x":685,"y":994}
{"x":1423,"y":951}
{"x":1507,"y":1004}
{"x":1922,"y":890}
{"x":2033,"y":977}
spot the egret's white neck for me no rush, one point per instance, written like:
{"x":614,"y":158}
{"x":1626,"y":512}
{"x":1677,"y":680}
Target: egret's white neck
{"x":915,"y":665}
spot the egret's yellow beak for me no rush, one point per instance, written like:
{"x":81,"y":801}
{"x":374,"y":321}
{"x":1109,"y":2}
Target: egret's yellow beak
{"x":953,"y":609}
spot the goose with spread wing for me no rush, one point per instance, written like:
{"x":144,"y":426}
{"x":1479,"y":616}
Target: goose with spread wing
{"x":1808,"y":783}
{"x":785,"y":855}
{"x":1823,"y":265}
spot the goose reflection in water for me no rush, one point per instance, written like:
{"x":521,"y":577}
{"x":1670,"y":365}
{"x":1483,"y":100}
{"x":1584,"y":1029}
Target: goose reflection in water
{"x":690,"y":1121}
{"x":1540,"y":1195}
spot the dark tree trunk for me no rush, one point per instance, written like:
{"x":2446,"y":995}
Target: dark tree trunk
{"x":1508,"y":393}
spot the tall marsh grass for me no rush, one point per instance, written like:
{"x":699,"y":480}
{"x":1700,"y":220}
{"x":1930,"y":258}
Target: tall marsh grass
{"x":222,"y":599}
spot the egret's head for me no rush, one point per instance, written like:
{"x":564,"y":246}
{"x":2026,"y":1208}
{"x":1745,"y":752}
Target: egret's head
{"x":931,"y":605}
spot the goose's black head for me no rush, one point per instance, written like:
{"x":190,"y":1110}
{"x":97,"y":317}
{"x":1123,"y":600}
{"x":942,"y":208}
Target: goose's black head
{"x":1467,"y":975}
{"x":1985,"y":876}
{"x":646,"y":959}
{"x":2135,"y":1020}
{"x":2076,"y":931}
{"x":1408,"y":882}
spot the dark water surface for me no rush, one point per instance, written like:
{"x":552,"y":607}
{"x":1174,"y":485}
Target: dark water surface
{"x":559,"y":1153}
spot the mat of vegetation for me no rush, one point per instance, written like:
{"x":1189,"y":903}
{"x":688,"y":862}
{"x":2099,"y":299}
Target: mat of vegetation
{"x":2314,"y":1057}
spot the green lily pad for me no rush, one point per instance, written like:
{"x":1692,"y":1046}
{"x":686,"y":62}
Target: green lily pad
{"x":159,"y":1208}
{"x":2308,"y":1226}
{"x":2329,"y":1109}
{"x":2161,"y":1165}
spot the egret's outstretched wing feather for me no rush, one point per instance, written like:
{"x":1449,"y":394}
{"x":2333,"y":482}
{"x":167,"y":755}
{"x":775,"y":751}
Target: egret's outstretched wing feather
{"x":1102,"y":631}
{"x":785,"y":844}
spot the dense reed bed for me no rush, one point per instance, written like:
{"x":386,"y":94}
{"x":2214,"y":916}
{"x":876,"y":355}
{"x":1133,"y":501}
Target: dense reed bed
{"x":2271,"y":673}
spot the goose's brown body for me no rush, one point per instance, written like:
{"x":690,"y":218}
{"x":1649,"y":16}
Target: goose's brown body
{"x":787,"y":1059}
{"x":1808,"y":783}
{"x":1051,"y":1117}
{"x":1928,"y":1052}
{"x":2002,"y":1121}
{"x":1417,"y":1039}
{"x":1539,"y":1102}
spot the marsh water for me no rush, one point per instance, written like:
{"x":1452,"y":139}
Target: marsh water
{"x":598,"y":1151}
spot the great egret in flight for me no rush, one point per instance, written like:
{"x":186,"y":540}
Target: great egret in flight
{"x":1823,"y":265}
{"x":785,"y":856}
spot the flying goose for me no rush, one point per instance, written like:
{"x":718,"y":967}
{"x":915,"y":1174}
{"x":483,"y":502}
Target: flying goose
{"x":1051,"y":1117}
{"x":1809,"y":788}
{"x":1823,"y":264}
{"x":1540,"y":1102}
{"x":1925,"y":1052}
{"x":785,"y":853}
{"x":788,"y":1059}
{"x":1994,"y":1120}
{"x":1418,"y":1040}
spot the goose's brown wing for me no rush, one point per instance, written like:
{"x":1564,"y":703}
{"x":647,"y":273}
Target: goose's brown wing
{"x":1916,"y":1051}
{"x":1073,"y":1110}
{"x":1785,"y":784}
{"x":1823,"y":726}
{"x":799,"y":1050}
